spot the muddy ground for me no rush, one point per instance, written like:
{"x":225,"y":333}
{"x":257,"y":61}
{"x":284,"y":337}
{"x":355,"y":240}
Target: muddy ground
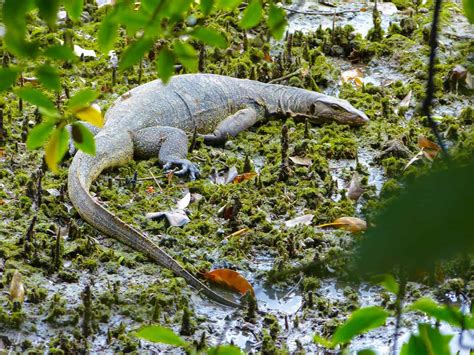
{"x":127,"y":290}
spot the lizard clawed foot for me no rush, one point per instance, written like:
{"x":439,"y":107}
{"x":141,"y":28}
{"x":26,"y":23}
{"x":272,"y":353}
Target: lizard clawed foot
{"x":186,"y":167}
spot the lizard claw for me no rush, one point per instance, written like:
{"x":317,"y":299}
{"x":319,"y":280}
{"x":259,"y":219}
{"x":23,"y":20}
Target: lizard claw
{"x":186,"y":168}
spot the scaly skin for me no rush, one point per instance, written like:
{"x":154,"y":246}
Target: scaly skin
{"x":154,"y":119}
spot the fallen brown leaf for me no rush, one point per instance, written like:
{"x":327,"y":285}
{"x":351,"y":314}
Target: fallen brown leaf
{"x":354,"y":76}
{"x":351,"y":224}
{"x":244,"y":177}
{"x":150,"y":189}
{"x":429,"y":148}
{"x":230,"y":279}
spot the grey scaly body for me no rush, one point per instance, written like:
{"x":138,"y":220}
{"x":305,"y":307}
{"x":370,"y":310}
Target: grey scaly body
{"x":154,"y":120}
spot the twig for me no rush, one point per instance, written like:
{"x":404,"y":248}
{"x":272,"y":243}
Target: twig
{"x":284,"y":77}
{"x":292,"y":289}
{"x":328,"y":13}
{"x":426,"y":109}
{"x":156,"y":181}
{"x":398,"y":309}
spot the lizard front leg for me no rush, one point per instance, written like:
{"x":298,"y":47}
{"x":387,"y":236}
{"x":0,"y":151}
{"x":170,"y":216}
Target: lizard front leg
{"x":231,"y":126}
{"x":169,"y":144}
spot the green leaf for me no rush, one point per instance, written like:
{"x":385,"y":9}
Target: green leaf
{"x":7,"y":78}
{"x":445,"y":313}
{"x":361,"y":321}
{"x":388,"y":282}
{"x":228,"y":4}
{"x":429,"y":341}
{"x":56,"y":148}
{"x":18,"y":46}
{"x":135,"y":52}
{"x":59,"y":52}
{"x":49,"y":77}
{"x":133,"y":20}
{"x":416,"y":226}
{"x":165,"y":64}
{"x":177,"y":8}
{"x":327,"y":343}
{"x":74,"y":8}
{"x":158,"y":334}
{"x":252,"y":15}
{"x":276,"y":21}
{"x":35,"y":97}
{"x":469,"y":9}
{"x":366,"y":352}
{"x":186,"y":54}
{"x":107,"y":33}
{"x":39,"y":135}
{"x":210,"y":36}
{"x":206,"y":6}
{"x":14,"y":16}
{"x":82,"y":99}
{"x":224,"y":350}
{"x":48,"y":11}
{"x":83,"y":138}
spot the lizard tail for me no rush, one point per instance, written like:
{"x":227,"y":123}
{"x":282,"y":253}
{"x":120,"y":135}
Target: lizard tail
{"x":116,"y":149}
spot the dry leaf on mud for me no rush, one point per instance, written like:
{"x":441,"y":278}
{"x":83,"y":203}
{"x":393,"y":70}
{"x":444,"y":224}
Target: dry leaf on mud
{"x":177,"y":217}
{"x":351,"y":224}
{"x":301,"y":161}
{"x":429,"y":148}
{"x":225,"y":178}
{"x":230,"y":279}
{"x":305,"y":220}
{"x":17,"y":290}
{"x":354,"y":76}
{"x":184,"y":202}
{"x":244,"y":177}
{"x":355,"y":187}
{"x":417,"y":157}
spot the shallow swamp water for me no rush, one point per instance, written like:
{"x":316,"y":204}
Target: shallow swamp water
{"x":127,"y":290}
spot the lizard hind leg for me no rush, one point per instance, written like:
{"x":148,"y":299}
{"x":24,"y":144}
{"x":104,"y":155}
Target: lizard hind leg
{"x":170,"y":144}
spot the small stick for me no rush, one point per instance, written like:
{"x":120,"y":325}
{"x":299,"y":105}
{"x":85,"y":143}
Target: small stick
{"x":156,"y":181}
{"x":284,"y":77}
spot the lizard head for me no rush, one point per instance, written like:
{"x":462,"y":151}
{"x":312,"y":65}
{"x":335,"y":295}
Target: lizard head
{"x":327,"y":109}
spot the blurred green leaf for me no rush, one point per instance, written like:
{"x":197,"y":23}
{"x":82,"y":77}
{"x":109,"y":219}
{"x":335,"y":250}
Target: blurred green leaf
{"x":108,"y":31}
{"x":444,"y":313}
{"x":165,"y":64}
{"x":39,"y":135}
{"x":388,"y":282}
{"x":158,"y":334}
{"x":206,"y":6}
{"x":35,"y":97}
{"x":178,"y":8}
{"x":469,"y":9}
{"x":429,"y":341}
{"x":327,"y":343}
{"x":7,"y":78}
{"x":225,"y":350}
{"x":429,"y":221}
{"x":14,"y":16}
{"x":210,"y":36}
{"x":74,"y":8}
{"x":252,"y":14}
{"x":135,"y":52}
{"x":133,"y":20}
{"x":366,"y":352}
{"x":187,"y":55}
{"x":276,"y":21}
{"x":48,"y":11}
{"x":18,"y":46}
{"x":59,"y":52}
{"x":360,"y":321}
{"x":49,"y":77}
{"x":56,"y":148}
{"x":82,"y":99}
{"x":83,"y":138}
{"x":228,"y":4}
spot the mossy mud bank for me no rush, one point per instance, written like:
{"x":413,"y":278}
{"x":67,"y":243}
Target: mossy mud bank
{"x":86,"y":292}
